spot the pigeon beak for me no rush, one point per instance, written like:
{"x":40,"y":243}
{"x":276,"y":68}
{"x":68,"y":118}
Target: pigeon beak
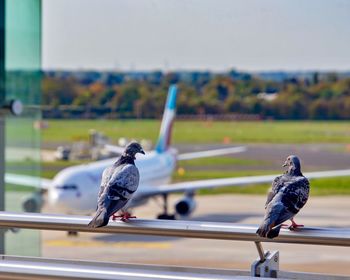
{"x":285,"y":164}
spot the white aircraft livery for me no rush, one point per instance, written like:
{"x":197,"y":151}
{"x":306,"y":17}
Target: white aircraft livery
{"x":74,"y":189}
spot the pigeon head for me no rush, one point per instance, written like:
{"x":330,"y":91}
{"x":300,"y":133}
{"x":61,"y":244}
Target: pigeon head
{"x":293,"y":164}
{"x":133,"y":148}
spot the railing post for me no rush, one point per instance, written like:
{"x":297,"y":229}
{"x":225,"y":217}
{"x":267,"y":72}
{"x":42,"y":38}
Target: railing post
{"x":267,"y":265}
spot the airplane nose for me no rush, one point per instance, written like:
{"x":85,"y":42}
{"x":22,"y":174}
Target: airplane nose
{"x":54,"y":197}
{"x":58,"y":199}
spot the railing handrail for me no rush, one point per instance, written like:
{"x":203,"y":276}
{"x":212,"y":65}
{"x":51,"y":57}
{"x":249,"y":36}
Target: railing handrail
{"x":14,"y":267}
{"x":187,"y":229}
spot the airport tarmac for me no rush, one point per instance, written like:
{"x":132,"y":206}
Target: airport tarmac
{"x":314,"y":157}
{"x":321,"y":156}
{"x":244,"y":209}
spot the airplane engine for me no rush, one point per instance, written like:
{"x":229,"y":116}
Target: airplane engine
{"x":33,"y":203}
{"x":185,"y":206}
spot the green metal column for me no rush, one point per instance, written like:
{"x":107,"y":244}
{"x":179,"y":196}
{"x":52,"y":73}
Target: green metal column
{"x":22,"y":139}
{"x":2,"y":121}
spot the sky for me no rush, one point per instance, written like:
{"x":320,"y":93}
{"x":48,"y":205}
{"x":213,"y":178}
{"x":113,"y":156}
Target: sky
{"x":215,"y":35}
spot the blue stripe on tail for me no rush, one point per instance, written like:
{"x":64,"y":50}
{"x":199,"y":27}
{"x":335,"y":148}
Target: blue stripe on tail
{"x":171,"y":100}
{"x":167,"y":121}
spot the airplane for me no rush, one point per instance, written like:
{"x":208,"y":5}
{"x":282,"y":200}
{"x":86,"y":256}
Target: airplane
{"x":74,"y":189}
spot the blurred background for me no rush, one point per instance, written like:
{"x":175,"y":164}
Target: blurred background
{"x":271,"y":75}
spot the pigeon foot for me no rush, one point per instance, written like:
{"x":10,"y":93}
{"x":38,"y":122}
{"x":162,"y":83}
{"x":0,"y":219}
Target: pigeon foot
{"x":114,"y":217}
{"x":123,"y":217}
{"x":295,"y":226}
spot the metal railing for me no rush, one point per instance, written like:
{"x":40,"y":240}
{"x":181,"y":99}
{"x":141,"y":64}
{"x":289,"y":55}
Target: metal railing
{"x":53,"y":269}
{"x":188,"y":229}
{"x":31,"y":268}
{"x":266,"y":266}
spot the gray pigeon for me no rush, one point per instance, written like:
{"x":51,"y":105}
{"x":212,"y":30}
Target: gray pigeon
{"x":118,"y":184}
{"x":289,"y":193}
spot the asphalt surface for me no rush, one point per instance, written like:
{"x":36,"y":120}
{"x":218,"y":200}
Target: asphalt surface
{"x":245,"y":209}
{"x":313,"y":156}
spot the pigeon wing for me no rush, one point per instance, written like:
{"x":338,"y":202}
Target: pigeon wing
{"x":287,"y":198}
{"x":117,"y":186}
{"x":106,"y":176}
{"x":276,"y":212}
{"x":277,"y":184}
{"x":290,"y":198}
{"x":295,"y":194}
{"x":124,"y":182}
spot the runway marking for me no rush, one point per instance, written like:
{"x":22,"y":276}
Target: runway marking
{"x":80,"y":243}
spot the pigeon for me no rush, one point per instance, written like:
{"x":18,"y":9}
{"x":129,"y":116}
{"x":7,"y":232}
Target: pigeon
{"x":118,"y":184}
{"x":288,"y":194}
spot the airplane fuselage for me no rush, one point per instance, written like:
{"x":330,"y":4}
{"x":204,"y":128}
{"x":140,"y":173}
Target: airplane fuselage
{"x":75,"y":189}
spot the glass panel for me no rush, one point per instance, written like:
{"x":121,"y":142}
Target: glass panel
{"x":23,"y":82}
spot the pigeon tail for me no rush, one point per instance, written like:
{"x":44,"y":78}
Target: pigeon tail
{"x":266,"y":230}
{"x":100,"y":220}
{"x":263,"y":230}
{"x":274,"y":232}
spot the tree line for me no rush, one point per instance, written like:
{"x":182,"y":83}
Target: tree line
{"x":316,"y":98}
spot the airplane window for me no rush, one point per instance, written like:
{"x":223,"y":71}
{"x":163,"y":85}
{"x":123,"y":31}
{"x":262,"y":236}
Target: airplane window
{"x":67,"y":187}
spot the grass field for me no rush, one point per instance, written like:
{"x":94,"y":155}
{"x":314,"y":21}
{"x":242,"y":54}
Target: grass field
{"x":203,"y":132}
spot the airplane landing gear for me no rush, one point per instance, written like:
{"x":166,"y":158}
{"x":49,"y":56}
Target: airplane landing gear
{"x":165,"y":215}
{"x":72,"y":233}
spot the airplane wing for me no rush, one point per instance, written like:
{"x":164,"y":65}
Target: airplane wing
{"x":114,"y":148}
{"x":27,"y":181}
{"x":235,"y":181}
{"x":212,"y":153}
{"x":192,"y":155}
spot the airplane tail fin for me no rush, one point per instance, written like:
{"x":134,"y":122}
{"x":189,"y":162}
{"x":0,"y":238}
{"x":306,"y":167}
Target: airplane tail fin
{"x":167,"y":121}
